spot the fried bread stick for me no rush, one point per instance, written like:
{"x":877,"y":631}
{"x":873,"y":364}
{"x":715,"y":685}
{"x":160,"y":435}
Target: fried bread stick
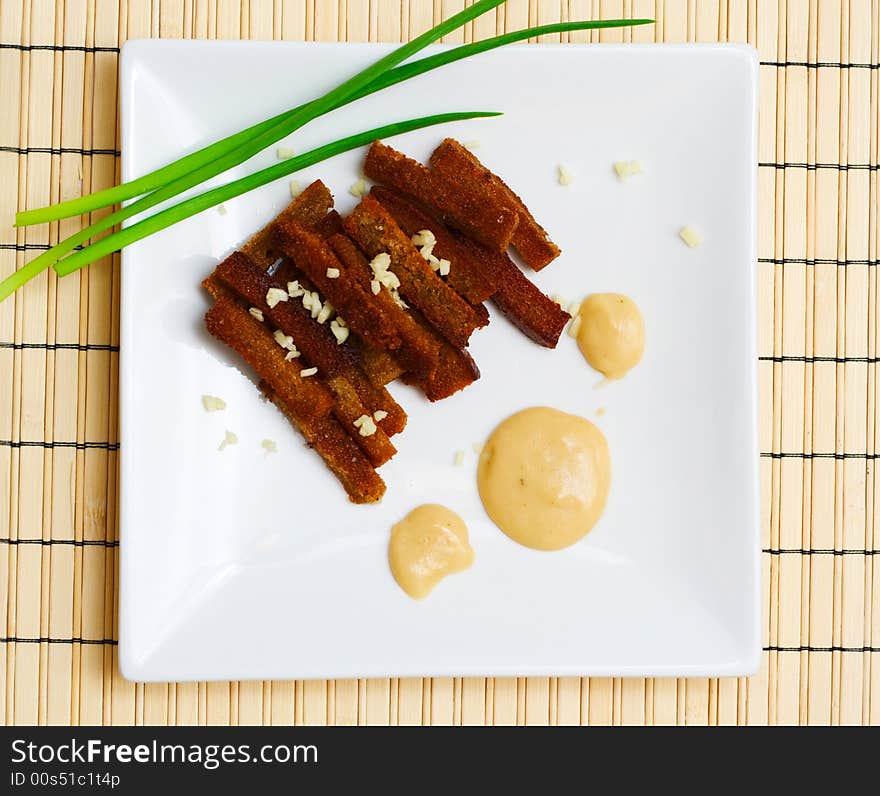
{"x":374,"y":230}
{"x":536,"y":315}
{"x":465,"y":275}
{"x":460,"y":167}
{"x":231,"y":324}
{"x":488,"y":222}
{"x":339,"y":452}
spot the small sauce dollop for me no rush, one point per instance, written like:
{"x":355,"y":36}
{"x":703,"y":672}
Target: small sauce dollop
{"x":544,"y":477}
{"x":428,"y":544}
{"x":611,"y":335}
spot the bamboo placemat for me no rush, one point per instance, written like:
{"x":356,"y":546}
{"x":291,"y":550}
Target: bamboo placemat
{"x":819,"y":335}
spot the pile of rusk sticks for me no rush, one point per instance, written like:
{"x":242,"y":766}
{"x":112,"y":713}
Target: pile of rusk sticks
{"x":328,"y":310}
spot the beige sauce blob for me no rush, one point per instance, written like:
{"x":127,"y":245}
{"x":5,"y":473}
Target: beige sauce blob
{"x":544,"y":477}
{"x":428,"y":544}
{"x":611,"y":335}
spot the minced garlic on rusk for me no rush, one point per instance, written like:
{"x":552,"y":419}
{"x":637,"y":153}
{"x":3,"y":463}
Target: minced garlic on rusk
{"x":365,"y":425}
{"x":563,"y":175}
{"x":294,"y":290}
{"x":325,"y":313}
{"x":332,"y":273}
{"x":690,"y":236}
{"x":627,"y":168}
{"x":275,"y":295}
{"x":257,"y":313}
{"x":284,"y":340}
{"x":213,"y":404}
{"x":379,"y":415}
{"x":229,"y":439}
{"x":339,"y":330}
{"x":291,"y":355}
{"x":306,"y":372}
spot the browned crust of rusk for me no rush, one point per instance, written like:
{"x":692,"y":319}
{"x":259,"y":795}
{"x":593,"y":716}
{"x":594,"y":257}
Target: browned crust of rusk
{"x":453,"y":369}
{"x":358,"y":306}
{"x":460,"y":167}
{"x":339,"y":452}
{"x":536,"y":315}
{"x":465,"y":275}
{"x":231,"y":324}
{"x":337,"y":364}
{"x":380,"y":366}
{"x":419,"y":348}
{"x":373,"y":228}
{"x":309,"y":208}
{"x":486,"y":221}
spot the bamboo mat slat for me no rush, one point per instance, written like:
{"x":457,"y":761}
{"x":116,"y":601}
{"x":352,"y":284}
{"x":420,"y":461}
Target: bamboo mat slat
{"x":818,"y":246}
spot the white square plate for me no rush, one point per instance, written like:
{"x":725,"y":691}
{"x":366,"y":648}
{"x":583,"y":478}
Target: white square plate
{"x":243,"y":565}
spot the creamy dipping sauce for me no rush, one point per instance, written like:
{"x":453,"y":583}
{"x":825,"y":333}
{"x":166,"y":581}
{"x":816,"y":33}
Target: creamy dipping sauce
{"x":544,"y":477}
{"x":611,"y":335}
{"x":428,"y":544}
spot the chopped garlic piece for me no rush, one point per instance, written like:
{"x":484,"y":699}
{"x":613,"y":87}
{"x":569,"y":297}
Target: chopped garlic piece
{"x":380,"y":263}
{"x":291,"y":355}
{"x":474,"y":144}
{"x":365,"y":426}
{"x":221,"y":209}
{"x":690,"y":236}
{"x":398,"y":300}
{"x":284,"y":153}
{"x":229,"y":439}
{"x":284,"y":340}
{"x":375,"y":287}
{"x":257,"y":313}
{"x":563,"y":175}
{"x":269,"y":446}
{"x":294,"y":290}
{"x":459,"y":458}
{"x":325,"y":313}
{"x":574,"y":308}
{"x":600,"y":411}
{"x":575,"y":326}
{"x":213,"y":404}
{"x":560,"y":300}
{"x":340,"y":321}
{"x":332,"y":273}
{"x":627,"y":168}
{"x":379,"y":415}
{"x":443,"y":267}
{"x":274,"y":295}
{"x":358,"y":188}
{"x":424,"y":237}
{"x":306,"y":372}
{"x":295,"y":189}
{"x":340,"y":331}
{"x":314,"y":304}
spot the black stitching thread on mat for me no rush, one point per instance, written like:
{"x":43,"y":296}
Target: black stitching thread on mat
{"x":815,"y":166}
{"x":816,"y":261}
{"x":812,"y":359}
{"x":49,"y":640}
{"x":57,"y":150}
{"x":62,"y":542}
{"x":58,"y":48}
{"x":797,"y":455}
{"x":59,"y":346}
{"x":819,"y":551}
{"x":820,"y":64}
{"x":807,"y":648}
{"x":80,"y":446}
